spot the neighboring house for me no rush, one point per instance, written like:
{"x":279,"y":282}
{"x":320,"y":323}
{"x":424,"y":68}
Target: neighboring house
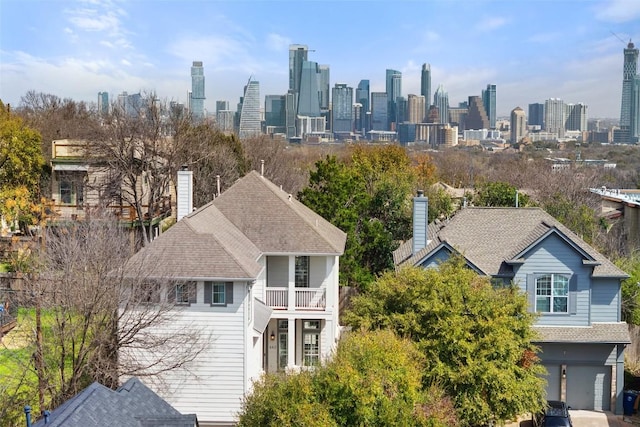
{"x":81,"y":181}
{"x":574,"y":288}
{"x":131,"y":405}
{"x":257,"y":271}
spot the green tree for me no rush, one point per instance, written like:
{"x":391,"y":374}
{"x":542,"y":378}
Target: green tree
{"x":374,"y":379}
{"x":367,"y":197}
{"x":476,"y":339}
{"x":498,"y":194}
{"x":577,"y":217}
{"x":21,"y":159}
{"x":631,"y":288}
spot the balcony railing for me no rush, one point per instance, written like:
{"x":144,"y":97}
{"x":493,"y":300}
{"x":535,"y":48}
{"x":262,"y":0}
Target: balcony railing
{"x":159,"y":209}
{"x":305,"y":298}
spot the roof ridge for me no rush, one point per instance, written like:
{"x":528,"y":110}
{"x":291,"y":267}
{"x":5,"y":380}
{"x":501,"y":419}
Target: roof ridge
{"x":291,"y":198}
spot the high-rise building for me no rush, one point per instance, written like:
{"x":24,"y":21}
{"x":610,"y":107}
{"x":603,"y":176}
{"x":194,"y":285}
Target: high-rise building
{"x":362,"y":98}
{"x":379,"y":113}
{"x":554,"y":116}
{"x":441,"y":100}
{"x":250,"y":110}
{"x":297,"y":55}
{"x":103,"y":103}
{"x":222,"y":106}
{"x":489,"y":102}
{"x":634,"y":126}
{"x":416,"y":108}
{"x":275,"y":113}
{"x":197,"y":91}
{"x":576,"y":117}
{"x":394,"y":90}
{"x":425,"y":84}
{"x":536,"y":115}
{"x":627,"y":110}
{"x":342,"y":108}
{"x":325,"y":86}
{"x":518,"y":125}
{"x":477,"y":118}
{"x":458,"y":116}
{"x":309,"y":92}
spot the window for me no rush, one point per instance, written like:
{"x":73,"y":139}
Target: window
{"x":283,"y":333}
{"x":218,"y":293}
{"x":185,"y":293}
{"x":302,"y":272}
{"x":66,"y":192}
{"x":311,"y":343}
{"x":552,"y":293}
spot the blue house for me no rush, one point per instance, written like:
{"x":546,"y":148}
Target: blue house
{"x":574,"y":288}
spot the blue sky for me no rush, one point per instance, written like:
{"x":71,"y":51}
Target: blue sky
{"x":531,"y":49}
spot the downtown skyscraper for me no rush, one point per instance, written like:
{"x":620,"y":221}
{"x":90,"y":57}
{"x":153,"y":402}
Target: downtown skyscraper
{"x":362,"y":98}
{"x":629,"y":109}
{"x":250,"y":110}
{"x":489,"y":102}
{"x":441,"y":101}
{"x":196,"y":100}
{"x":425,"y":84}
{"x":394,"y":91}
{"x":342,"y":114}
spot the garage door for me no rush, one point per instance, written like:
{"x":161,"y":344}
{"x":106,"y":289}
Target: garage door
{"x":589,"y":387}
{"x":553,"y":381}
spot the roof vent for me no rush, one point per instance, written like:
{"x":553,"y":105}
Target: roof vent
{"x":290,"y":197}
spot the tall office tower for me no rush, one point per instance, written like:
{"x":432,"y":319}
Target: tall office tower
{"x":477,"y":118}
{"x":362,"y":98}
{"x":309,"y":91}
{"x":250,"y":110}
{"x":634,"y":127}
{"x":554,"y":116}
{"x":425,"y":84}
{"x":342,"y":108}
{"x":222,"y":106}
{"x":433,"y":115}
{"x":291,"y":102}
{"x":103,"y":103}
{"x":401,"y":110}
{"x":197,"y":91}
{"x":394,"y":90}
{"x":325,"y":88}
{"x":275,"y":113}
{"x":576,"y":117}
{"x":441,"y":100}
{"x":297,"y":55}
{"x":629,"y":72}
{"x":458,"y":116}
{"x":379,"y":112}
{"x":489,"y":102}
{"x":416,"y":108}
{"x":518,"y":125}
{"x":536,"y":115}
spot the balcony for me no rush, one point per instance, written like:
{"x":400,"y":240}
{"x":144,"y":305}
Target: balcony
{"x":305,"y":298}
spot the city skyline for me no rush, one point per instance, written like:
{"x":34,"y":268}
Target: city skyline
{"x":528,"y":50}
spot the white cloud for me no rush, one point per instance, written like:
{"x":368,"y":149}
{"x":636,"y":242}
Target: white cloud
{"x":618,"y":11}
{"x":490,"y":23}
{"x":125,"y":62}
{"x":277,"y":43}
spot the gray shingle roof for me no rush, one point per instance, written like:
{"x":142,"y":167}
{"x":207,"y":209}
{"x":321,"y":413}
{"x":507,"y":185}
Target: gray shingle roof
{"x":131,"y":405}
{"x":491,"y":237}
{"x":602,"y":333}
{"x":225,"y":238}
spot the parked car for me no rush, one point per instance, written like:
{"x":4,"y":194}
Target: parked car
{"x":556,"y":415}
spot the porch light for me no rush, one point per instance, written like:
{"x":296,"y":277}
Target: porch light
{"x":272,"y":337}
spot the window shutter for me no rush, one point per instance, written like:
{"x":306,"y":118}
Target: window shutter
{"x":208,"y":291}
{"x":573,"y":294}
{"x":531,"y":291}
{"x":229,"y":293}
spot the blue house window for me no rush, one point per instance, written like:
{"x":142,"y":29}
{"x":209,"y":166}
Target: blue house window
{"x":552,"y":293}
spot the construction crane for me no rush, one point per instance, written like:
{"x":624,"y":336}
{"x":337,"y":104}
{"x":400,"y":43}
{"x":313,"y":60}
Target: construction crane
{"x":619,"y":38}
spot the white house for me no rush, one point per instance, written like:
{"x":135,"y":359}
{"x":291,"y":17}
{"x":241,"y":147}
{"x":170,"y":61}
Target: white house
{"x":257,"y":271}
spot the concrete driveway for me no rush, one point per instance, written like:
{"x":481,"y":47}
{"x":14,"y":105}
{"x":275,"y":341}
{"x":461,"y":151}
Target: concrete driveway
{"x":587,"y":419}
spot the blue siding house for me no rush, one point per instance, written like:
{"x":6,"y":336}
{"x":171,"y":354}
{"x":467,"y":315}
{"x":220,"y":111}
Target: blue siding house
{"x":574,"y":289}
